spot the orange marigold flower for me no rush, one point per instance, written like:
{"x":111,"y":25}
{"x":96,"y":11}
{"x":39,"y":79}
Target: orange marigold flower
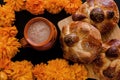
{"x":3,"y":76}
{"x":17,"y":5}
{"x":35,"y":6}
{"x":19,"y":70}
{"x":56,"y":69}
{"x":59,"y":69}
{"x":7,"y":16}
{"x":8,"y":31}
{"x":79,"y":71}
{"x":4,"y":62}
{"x":54,"y":6}
{"x":39,"y":71}
{"x":8,"y":46}
{"x":72,"y":6}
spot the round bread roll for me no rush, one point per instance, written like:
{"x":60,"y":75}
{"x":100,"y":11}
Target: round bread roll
{"x":103,"y":14}
{"x":81,"y":42}
{"x":107,"y":65}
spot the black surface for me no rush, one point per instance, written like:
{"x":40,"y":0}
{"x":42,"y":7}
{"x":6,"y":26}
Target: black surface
{"x":32,"y":55}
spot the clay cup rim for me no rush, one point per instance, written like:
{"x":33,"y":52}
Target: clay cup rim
{"x":33,"y":20}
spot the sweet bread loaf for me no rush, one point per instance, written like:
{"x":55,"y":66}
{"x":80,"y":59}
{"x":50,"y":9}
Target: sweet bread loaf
{"x":81,"y":42}
{"x":107,"y":65}
{"x":103,"y":14}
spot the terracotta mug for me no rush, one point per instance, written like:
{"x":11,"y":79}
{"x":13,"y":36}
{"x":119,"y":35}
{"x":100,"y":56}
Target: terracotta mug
{"x":39,"y":33}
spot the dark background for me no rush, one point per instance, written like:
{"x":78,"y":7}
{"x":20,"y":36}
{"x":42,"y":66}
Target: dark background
{"x":32,"y":55}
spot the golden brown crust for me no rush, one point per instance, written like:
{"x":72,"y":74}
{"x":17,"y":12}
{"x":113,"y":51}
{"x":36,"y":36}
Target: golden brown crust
{"x":103,"y":14}
{"x":107,"y":64}
{"x":81,"y":42}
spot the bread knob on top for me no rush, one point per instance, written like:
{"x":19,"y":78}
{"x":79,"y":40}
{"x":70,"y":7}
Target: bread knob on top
{"x":112,"y":49}
{"x":107,"y":64}
{"x":81,"y":42}
{"x":103,"y":14}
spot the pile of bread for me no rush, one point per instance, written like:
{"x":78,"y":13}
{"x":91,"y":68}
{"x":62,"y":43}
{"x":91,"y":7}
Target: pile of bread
{"x":85,"y":41}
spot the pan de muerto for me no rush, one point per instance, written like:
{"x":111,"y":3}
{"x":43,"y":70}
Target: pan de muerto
{"x":103,"y":14}
{"x":81,"y":42}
